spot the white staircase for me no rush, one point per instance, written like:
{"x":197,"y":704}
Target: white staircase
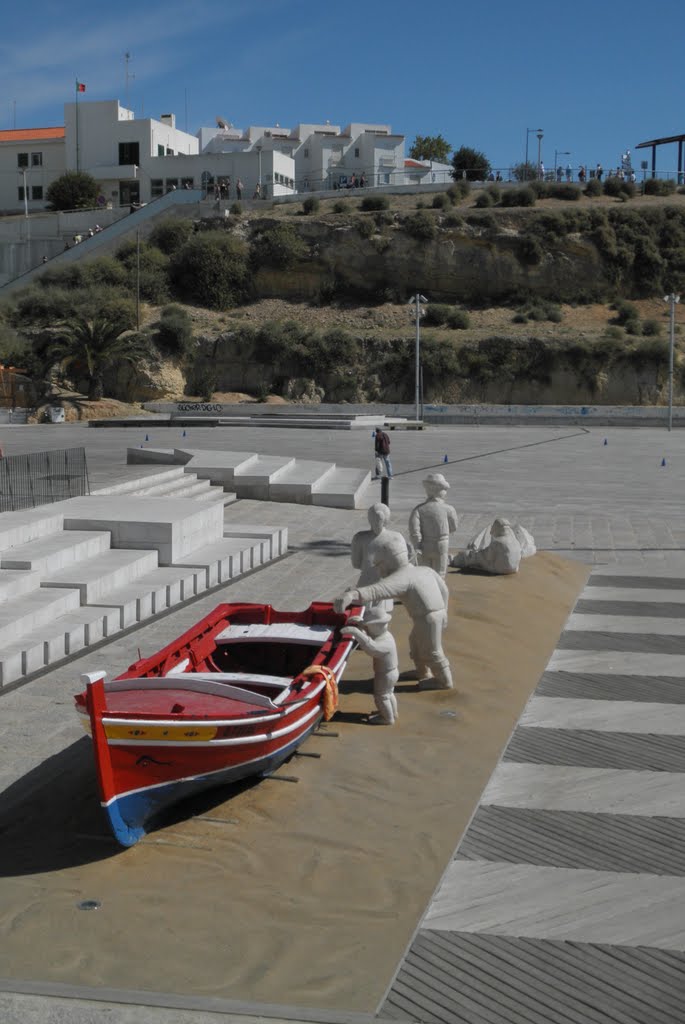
{"x":263,"y":477}
{"x":82,"y":570}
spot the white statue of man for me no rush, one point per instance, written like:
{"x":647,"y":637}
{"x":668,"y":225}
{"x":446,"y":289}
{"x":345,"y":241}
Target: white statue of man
{"x":374,"y":638}
{"x":424,"y":594}
{"x":431,"y":523}
{"x":365,"y":546}
{"x":498,"y":549}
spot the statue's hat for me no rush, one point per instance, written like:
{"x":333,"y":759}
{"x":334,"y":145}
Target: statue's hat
{"x":437,"y":479}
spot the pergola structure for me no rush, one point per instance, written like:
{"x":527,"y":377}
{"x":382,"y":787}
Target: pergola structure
{"x":662,"y":142}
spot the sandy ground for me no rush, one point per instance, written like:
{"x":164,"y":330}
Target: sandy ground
{"x":300,"y":893}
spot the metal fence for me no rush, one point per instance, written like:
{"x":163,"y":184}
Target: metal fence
{"x":42,"y":478}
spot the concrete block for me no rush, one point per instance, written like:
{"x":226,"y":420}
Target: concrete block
{"x":15,"y":582}
{"x":53,"y":552}
{"x":345,"y":488}
{"x":134,"y":603}
{"x":33,"y":611}
{"x":275,"y":538}
{"x":171,"y":527}
{"x":254,"y":481}
{"x":29,"y":524}
{"x":298,"y":481}
{"x":112,"y":570}
{"x":151,"y":477}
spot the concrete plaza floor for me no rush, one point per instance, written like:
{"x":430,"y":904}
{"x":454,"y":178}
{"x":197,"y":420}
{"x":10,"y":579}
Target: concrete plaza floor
{"x":610,"y":497}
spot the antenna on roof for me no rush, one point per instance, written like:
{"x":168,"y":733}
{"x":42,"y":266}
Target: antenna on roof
{"x":129,"y":75}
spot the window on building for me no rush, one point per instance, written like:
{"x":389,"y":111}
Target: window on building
{"x":306,"y":153}
{"x":171,"y":184}
{"x":22,"y":159}
{"x":21,"y":193}
{"x":356,"y":151}
{"x":187,"y":183}
{"x":156,"y":187}
{"x":37,"y":192}
{"x":129,"y":153}
{"x":160,"y":150}
{"x":36,"y":159}
{"x":169,"y":152}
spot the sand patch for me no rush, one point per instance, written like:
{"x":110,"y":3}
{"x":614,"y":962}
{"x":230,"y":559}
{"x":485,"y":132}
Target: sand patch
{"x":304,"y":894}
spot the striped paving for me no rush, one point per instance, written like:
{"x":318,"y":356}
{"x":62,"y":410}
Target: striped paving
{"x":566,"y":898}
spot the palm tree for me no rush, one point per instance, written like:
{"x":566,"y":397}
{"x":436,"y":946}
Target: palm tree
{"x":88,"y":344}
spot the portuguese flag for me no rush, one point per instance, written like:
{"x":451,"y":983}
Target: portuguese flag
{"x":80,"y":87}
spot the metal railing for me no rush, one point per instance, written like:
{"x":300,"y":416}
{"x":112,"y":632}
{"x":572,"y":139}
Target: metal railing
{"x":41,"y":478}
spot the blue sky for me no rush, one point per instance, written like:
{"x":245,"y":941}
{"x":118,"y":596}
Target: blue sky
{"x":597,"y":77}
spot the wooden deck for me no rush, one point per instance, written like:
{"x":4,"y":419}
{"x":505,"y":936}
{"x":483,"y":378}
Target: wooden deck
{"x":565,"y":901}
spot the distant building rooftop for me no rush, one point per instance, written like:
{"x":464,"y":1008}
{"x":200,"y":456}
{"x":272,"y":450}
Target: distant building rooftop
{"x":31,"y":134}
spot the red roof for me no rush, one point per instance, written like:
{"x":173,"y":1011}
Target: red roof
{"x":31,"y":134}
{"x":416,"y":163}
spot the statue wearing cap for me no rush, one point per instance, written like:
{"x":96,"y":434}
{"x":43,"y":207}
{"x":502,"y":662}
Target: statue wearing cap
{"x":372,"y":635}
{"x":431,"y":523}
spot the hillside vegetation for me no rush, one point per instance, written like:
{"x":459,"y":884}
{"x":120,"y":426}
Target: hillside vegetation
{"x":534,"y":295}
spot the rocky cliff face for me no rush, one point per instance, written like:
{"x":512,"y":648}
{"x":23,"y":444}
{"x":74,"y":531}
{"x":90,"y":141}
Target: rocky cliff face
{"x":471,"y":264}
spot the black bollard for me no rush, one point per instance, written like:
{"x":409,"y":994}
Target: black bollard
{"x":385,"y":490}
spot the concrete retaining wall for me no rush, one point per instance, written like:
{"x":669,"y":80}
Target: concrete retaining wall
{"x":598,"y":415}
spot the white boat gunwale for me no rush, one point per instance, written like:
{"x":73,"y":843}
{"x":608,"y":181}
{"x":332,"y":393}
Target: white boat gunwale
{"x":230,"y":741}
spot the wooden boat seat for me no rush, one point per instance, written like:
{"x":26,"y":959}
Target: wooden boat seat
{"x":275,"y":633}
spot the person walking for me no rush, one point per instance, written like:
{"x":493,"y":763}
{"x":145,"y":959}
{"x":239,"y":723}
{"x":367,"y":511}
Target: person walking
{"x":382,"y":454}
{"x":239,"y":188}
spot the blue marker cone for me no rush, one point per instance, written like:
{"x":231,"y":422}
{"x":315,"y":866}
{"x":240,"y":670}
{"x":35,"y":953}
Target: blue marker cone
{"x":445,"y":459}
{"x":184,"y":433}
{"x":147,"y":438}
{"x":663,"y":462}
{"x":605,"y":441}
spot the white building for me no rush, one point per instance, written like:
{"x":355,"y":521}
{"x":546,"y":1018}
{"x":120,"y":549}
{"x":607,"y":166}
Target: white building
{"x":135,"y":160}
{"x":326,"y":156}
{"x":30,"y":160}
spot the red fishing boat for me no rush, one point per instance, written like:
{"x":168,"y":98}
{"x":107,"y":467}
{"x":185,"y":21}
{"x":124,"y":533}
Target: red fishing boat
{"x":233,"y":697}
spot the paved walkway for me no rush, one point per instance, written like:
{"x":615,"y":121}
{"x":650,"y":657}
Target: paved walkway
{"x":564,"y":901}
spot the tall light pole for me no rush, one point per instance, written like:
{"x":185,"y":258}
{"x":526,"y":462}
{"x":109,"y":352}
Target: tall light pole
{"x":259,"y":156}
{"x":671,"y":299}
{"x":528,"y":131}
{"x":560,"y":152}
{"x":540,"y":135}
{"x":418,"y":299}
{"x":26,"y":203}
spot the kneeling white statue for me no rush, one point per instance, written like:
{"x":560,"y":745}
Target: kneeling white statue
{"x":374,"y":638}
{"x":498,"y":549}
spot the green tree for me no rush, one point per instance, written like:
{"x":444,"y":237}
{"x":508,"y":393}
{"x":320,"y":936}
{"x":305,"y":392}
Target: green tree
{"x":525,"y":171}
{"x":212,"y":270}
{"x":470,"y":163}
{"x":430,"y":147}
{"x":86,"y":347}
{"x":74,"y":190}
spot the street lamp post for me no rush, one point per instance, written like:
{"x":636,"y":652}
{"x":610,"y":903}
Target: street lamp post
{"x":418,"y":299}
{"x":528,"y":131}
{"x":672,"y":299}
{"x":540,"y":135}
{"x":560,"y":152}
{"x":259,"y":176}
{"x":26,"y":203}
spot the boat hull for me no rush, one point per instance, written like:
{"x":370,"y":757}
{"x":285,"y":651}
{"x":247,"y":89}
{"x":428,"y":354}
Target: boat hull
{"x":131,"y":814}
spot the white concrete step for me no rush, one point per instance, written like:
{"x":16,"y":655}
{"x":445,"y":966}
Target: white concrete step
{"x":297,"y":483}
{"x":152,"y":593}
{"x":110,"y":571}
{"x":33,"y":611}
{"x":28,"y":524}
{"x":255,"y":480}
{"x":16,"y":582}
{"x":65,"y":635}
{"x":240,"y":551}
{"x":173,"y":528}
{"x":150,"y":477}
{"x":50,"y":553}
{"x":344,"y":488}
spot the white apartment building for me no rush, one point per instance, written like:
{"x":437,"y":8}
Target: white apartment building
{"x":135,"y":159}
{"x":326,"y":156}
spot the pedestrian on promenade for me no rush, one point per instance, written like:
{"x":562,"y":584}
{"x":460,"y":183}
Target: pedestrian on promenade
{"x":383,"y":465}
{"x":239,"y":189}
